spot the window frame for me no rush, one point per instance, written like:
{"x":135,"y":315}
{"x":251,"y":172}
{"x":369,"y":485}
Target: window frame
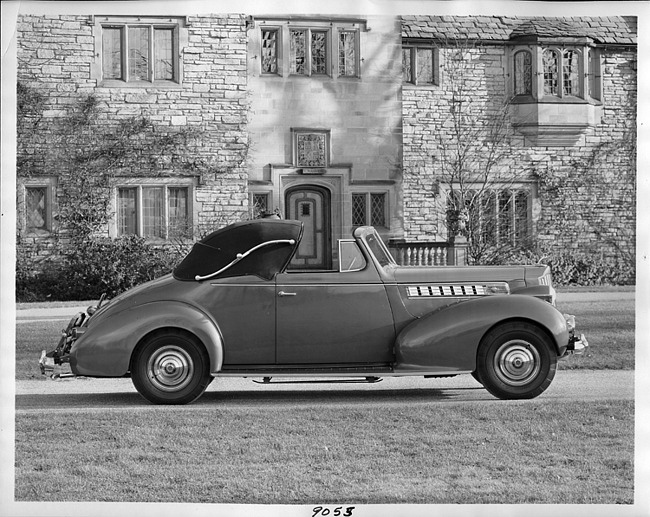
{"x":496,"y":190}
{"x":309,"y":58}
{"x":357,"y":52}
{"x":333,"y":29}
{"x":588,"y":75}
{"x":278,"y":49}
{"x":254,"y":209}
{"x":414,"y":80}
{"x":368,"y":209}
{"x":179,"y":41}
{"x":49,"y":186}
{"x":139,"y":185}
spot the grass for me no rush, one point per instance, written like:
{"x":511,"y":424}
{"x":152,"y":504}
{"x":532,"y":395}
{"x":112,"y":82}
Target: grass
{"x":515,"y":452}
{"x":609,"y":328}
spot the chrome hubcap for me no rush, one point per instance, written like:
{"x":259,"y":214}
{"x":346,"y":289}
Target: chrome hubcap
{"x":517,"y":362}
{"x":170,"y":368}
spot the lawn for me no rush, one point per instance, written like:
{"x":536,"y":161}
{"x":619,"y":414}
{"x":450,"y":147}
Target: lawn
{"x":505,"y":452}
{"x":610,"y":329}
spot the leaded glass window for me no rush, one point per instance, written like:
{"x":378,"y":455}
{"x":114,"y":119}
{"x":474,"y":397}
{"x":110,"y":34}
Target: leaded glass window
{"x":319,"y":52}
{"x":369,"y":209}
{"x":270,"y":51}
{"x":164,"y":54}
{"x":112,"y":52}
{"x":425,"y":65}
{"x":523,"y":73}
{"x":140,"y":52}
{"x":359,"y":210}
{"x":419,"y":65}
{"x":495,"y":216}
{"x":594,"y":74}
{"x":159,"y":212}
{"x":551,"y":65}
{"x":570,"y":73}
{"x":348,"y":54}
{"x":36,"y":209}
{"x":378,"y":209}
{"x":298,"y":52}
{"x":407,"y":65}
{"x":178,"y":222}
{"x":126,"y":211}
{"x":260,"y":203}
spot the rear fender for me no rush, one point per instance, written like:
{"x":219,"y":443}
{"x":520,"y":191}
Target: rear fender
{"x":105,"y":349}
{"x":448,"y":339}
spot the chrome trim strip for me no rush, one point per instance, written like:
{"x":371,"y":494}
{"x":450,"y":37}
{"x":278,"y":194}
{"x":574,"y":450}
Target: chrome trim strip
{"x":241,"y":256}
{"x":315,"y":375}
{"x":444,"y":290}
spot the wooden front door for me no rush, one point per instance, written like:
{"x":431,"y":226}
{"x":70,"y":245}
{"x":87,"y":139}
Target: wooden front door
{"x":311,"y":205}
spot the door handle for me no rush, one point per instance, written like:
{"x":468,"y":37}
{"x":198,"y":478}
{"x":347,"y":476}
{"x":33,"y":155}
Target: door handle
{"x":283,"y":293}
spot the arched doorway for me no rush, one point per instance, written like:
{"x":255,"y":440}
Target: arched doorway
{"x":311,"y":204}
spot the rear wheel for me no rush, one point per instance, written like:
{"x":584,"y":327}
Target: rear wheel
{"x":516,"y":361}
{"x":171,"y":367}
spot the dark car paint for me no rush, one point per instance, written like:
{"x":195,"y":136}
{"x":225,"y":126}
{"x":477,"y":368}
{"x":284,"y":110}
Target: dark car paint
{"x":323,"y":319}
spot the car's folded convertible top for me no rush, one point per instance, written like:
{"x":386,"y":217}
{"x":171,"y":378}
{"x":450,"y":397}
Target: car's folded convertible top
{"x":222,"y":247}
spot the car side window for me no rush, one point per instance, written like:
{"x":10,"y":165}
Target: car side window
{"x":350,"y":256}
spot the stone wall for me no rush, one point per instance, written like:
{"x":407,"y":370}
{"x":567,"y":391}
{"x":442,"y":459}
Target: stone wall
{"x":207,"y":112}
{"x":586,"y":191}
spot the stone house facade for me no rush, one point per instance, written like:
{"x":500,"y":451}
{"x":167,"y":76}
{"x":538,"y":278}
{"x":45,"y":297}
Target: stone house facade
{"x":197,"y":121}
{"x":563,"y":170}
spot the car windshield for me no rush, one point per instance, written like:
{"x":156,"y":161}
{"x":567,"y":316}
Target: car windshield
{"x":379,"y":250}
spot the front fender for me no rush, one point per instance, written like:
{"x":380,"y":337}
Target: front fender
{"x":448,"y":339}
{"x":105,"y":348}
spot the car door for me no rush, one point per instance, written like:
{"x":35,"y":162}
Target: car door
{"x":333,"y":318}
{"x":244,"y":308}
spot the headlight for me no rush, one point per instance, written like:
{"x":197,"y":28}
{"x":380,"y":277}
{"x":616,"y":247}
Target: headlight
{"x":570,"y":322}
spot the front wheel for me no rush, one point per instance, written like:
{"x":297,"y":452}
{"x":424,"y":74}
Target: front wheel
{"x":516,"y":361}
{"x":171,"y":367}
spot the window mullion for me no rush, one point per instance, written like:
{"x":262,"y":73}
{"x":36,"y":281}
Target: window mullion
{"x":139,"y":222}
{"x":513,"y":217}
{"x":560,"y":73}
{"x":368,"y":208}
{"x":125,"y":53}
{"x":151,"y":53}
{"x":308,"y":52}
{"x":165,"y":214}
{"x":414,"y":65}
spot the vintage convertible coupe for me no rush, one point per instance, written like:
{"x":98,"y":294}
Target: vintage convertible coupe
{"x":233,"y":308}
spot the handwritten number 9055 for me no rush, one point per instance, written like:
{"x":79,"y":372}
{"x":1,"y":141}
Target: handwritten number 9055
{"x":339,"y":511}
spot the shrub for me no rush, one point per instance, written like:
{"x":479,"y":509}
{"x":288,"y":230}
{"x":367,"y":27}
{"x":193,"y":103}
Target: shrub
{"x":583,"y":270}
{"x":98,"y":265}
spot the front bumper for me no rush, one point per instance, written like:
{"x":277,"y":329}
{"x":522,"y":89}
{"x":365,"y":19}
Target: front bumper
{"x":56,"y":363}
{"x":578,"y":344}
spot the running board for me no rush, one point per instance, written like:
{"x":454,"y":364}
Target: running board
{"x":368,"y":380}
